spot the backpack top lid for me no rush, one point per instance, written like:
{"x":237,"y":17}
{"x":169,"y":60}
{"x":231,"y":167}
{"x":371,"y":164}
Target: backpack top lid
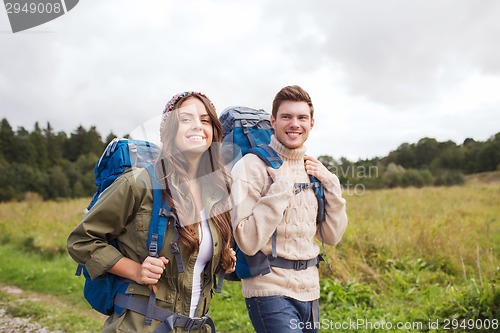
{"x":120,"y":156}
{"x":232,"y":116}
{"x":242,"y":129}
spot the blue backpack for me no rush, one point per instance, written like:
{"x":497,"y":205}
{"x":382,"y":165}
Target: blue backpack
{"x":121,"y":155}
{"x":242,"y":129}
{"x":249,"y":131}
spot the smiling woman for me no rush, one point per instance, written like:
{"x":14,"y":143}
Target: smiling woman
{"x":174,"y":282}
{"x":194,"y":134}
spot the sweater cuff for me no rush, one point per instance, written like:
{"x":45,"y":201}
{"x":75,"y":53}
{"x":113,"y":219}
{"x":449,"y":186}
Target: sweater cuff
{"x":331,"y":182}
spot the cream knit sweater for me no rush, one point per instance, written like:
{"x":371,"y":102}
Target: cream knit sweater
{"x":261,"y":206}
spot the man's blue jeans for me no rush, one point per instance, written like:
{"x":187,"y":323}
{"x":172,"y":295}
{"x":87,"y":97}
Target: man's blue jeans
{"x":280,"y":314}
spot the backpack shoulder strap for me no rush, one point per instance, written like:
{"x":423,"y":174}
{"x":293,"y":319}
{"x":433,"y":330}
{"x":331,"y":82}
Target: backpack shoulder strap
{"x":318,"y":191}
{"x":320,"y":196}
{"x":268,"y":155}
{"x":159,"y":216}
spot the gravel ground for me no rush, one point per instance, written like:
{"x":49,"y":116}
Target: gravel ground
{"x":19,"y":325}
{"x":10,"y":324}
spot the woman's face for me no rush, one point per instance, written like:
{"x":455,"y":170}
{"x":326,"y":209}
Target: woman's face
{"x":195,"y":132}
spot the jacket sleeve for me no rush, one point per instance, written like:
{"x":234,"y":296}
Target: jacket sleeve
{"x":257,"y":211}
{"x":88,"y":242}
{"x":335,"y":222}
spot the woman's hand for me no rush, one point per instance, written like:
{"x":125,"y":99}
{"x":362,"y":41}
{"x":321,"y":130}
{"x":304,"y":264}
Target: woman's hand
{"x":151,"y":270}
{"x":148,"y":273}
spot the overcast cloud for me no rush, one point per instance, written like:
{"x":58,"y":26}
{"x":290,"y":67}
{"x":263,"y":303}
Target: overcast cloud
{"x":380,"y":73}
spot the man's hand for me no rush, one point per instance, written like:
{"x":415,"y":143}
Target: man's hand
{"x":316,"y":168}
{"x":233,"y":267}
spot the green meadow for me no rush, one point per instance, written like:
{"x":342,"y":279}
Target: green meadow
{"x":412,"y":260}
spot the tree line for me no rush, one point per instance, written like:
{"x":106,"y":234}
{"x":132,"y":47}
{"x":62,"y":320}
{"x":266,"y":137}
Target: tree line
{"x":52,"y":165}
{"x":57,"y":165}
{"x":425,"y":163}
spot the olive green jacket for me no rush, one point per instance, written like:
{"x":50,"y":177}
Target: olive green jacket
{"x":123,"y":212}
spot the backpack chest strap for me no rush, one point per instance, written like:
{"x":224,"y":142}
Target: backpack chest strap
{"x":298,"y":187}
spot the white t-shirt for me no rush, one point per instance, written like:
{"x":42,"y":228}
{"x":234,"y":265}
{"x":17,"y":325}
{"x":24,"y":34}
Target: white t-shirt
{"x":204,"y":256}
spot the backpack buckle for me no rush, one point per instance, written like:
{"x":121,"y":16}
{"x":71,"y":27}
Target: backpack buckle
{"x":153,"y":247}
{"x":166,"y":213}
{"x":195,"y":323}
{"x":174,"y":247}
{"x":300,"y":265}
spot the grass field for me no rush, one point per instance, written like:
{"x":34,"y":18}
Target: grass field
{"x":411,"y":260}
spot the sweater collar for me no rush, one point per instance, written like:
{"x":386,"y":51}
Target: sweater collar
{"x":287,"y":153}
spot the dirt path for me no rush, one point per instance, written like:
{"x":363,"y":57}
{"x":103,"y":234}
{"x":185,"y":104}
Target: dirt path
{"x":9,"y":324}
{"x":16,"y":324}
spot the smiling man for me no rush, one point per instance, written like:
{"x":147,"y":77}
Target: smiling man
{"x":280,"y":202}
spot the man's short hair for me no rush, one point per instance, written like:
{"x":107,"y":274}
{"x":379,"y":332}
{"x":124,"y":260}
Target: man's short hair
{"x":291,"y":93}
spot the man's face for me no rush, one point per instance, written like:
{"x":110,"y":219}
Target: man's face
{"x":292,"y":123}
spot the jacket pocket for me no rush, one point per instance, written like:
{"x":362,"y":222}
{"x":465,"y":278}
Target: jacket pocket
{"x":139,"y":235}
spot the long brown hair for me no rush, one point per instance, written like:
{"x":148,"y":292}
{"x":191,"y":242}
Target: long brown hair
{"x":173,"y":167}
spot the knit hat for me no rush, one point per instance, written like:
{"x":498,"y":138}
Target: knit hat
{"x":172,"y":105}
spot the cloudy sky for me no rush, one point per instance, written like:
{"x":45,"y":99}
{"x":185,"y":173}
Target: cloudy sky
{"x":380,"y":73}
